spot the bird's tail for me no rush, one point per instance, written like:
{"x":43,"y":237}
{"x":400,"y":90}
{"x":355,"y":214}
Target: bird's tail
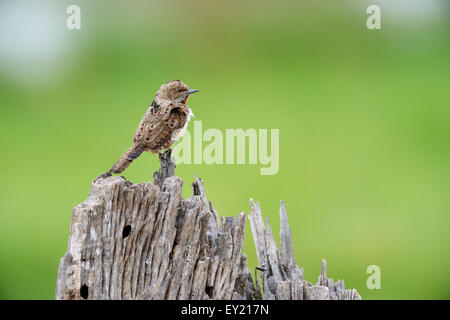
{"x":126,"y":159}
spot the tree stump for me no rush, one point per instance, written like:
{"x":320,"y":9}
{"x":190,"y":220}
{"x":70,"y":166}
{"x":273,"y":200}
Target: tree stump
{"x":144,"y":241}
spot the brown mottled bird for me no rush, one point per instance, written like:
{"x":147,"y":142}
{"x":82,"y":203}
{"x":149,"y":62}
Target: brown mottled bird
{"x":162,"y":125}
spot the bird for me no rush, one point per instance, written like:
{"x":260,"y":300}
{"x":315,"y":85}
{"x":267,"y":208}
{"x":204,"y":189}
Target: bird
{"x":163,"y":124}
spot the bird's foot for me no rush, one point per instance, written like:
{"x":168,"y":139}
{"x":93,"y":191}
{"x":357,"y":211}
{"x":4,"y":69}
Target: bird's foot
{"x":165,"y":157}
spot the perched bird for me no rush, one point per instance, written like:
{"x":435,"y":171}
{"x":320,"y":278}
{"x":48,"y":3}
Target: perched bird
{"x":162,"y":125}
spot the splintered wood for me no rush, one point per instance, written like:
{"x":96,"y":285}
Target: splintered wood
{"x":144,"y":241}
{"x":282,"y":279}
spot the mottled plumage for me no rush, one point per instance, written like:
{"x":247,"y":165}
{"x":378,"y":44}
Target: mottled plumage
{"x":162,"y":125}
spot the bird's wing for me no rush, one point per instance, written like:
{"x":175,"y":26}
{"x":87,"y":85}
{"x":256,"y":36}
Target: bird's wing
{"x":158,"y":125}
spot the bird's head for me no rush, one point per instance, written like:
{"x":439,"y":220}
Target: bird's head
{"x":176,"y":91}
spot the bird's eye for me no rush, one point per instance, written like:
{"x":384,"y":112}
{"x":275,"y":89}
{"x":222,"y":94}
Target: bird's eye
{"x":180,"y":90}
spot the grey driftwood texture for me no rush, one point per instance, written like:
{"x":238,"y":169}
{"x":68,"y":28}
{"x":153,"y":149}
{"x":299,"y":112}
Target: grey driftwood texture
{"x":282,"y":279}
{"x":144,"y":241}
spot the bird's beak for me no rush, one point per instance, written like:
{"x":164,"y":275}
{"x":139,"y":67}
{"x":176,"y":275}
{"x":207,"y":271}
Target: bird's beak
{"x":189,"y":92}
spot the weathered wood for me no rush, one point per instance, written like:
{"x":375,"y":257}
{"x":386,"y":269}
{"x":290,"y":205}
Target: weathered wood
{"x":140,"y":241}
{"x":144,"y":241}
{"x":282,"y":278}
{"x":167,"y":168}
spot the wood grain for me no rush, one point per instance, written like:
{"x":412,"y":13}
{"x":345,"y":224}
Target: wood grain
{"x":144,"y":241}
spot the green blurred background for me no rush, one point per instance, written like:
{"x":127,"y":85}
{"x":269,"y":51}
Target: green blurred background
{"x":363,"y":117}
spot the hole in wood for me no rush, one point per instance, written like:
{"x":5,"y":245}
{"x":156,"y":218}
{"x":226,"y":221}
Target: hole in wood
{"x":84,"y":291}
{"x":209,"y":291}
{"x":126,"y":231}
